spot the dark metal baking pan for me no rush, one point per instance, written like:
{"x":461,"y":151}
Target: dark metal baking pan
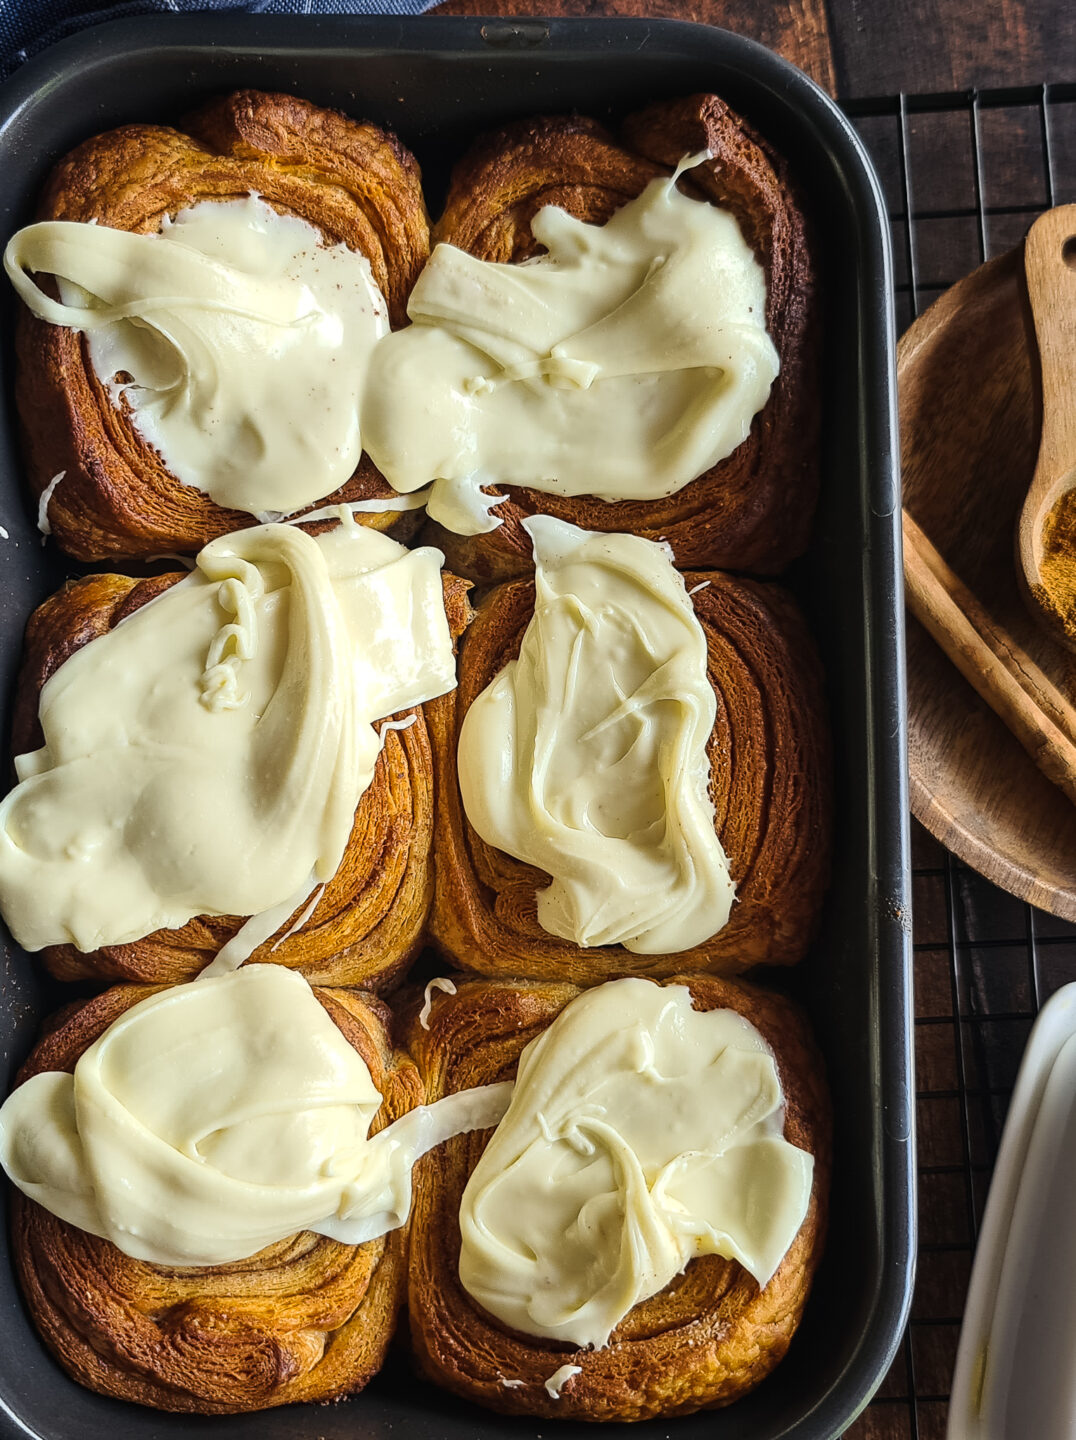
{"x":437,"y":82}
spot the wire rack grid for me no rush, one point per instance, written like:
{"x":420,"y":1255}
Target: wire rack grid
{"x":964,"y":174}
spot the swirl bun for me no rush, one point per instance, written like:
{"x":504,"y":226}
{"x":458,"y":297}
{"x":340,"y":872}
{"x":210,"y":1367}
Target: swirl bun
{"x":769,"y":781}
{"x":369,"y":922}
{"x":355,"y":183}
{"x":306,"y":1319}
{"x":703,"y":1341}
{"x":753,"y":510}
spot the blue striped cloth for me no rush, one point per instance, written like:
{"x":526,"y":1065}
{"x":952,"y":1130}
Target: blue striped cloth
{"x":27,"y":26}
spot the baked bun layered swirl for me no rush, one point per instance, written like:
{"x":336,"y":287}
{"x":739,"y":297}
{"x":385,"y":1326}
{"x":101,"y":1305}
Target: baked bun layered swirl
{"x":769,"y":783}
{"x":706,"y":1339}
{"x":306,"y":1319}
{"x":369,"y":922}
{"x":354,"y":183}
{"x":751,"y":511}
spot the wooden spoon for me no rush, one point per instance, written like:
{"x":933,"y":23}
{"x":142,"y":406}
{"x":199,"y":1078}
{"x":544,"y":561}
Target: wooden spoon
{"x":1046,"y":535}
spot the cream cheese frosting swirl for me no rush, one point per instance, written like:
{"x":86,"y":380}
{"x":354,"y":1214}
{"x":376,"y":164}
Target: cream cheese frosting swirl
{"x":207,"y":754}
{"x":586,"y":756}
{"x":236,"y":340}
{"x":623,"y":362}
{"x":215,"y":1118}
{"x":641,"y":1134}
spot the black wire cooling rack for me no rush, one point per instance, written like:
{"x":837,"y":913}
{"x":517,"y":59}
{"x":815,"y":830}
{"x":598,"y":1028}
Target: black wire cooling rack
{"x":964,"y":175}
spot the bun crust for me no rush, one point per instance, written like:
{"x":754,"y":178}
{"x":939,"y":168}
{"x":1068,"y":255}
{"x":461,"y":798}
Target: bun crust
{"x":706,"y":1339}
{"x":368,"y":925}
{"x":355,"y":183}
{"x":770,"y":784}
{"x":306,"y":1319}
{"x":753,"y":510}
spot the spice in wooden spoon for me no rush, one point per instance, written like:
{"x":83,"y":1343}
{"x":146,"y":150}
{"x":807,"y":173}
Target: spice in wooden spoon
{"x":1046,"y":538}
{"x":1056,"y":591}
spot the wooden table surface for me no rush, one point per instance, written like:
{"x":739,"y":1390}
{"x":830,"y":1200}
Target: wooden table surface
{"x":869,"y":47}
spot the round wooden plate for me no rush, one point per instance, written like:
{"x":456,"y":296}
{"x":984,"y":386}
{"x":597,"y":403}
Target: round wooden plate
{"x":970,"y":419}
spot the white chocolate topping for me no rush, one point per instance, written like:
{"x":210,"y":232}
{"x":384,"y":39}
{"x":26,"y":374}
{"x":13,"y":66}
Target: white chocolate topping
{"x":206,"y":756}
{"x":236,"y":338}
{"x":216,"y":1118}
{"x":641,"y":1134}
{"x":624,"y":362}
{"x":586,"y":756}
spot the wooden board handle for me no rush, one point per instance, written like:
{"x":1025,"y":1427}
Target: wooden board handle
{"x":1050,"y":265}
{"x":1050,"y":269}
{"x":990,"y":660}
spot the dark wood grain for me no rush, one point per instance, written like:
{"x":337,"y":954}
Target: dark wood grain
{"x":883,"y":46}
{"x":796,"y":29}
{"x":855,"y":48}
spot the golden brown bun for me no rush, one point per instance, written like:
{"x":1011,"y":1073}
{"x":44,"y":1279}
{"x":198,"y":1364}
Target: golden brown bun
{"x":753,"y":510}
{"x":707,"y":1338}
{"x":306,"y":1319}
{"x":368,"y":925}
{"x":769,"y":781}
{"x":353,"y":182}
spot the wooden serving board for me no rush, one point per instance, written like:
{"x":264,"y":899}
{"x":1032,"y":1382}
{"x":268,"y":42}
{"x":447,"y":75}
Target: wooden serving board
{"x":970,"y":417}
